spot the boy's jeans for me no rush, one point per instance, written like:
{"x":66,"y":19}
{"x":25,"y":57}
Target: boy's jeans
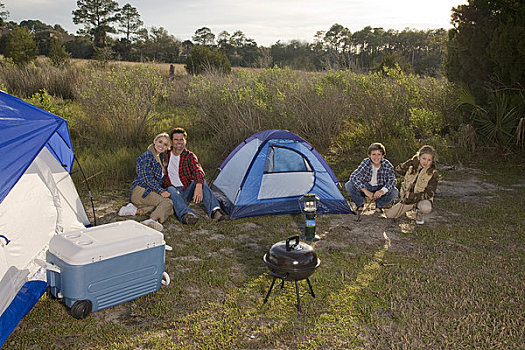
{"x":358,"y":197}
{"x":181,"y":198}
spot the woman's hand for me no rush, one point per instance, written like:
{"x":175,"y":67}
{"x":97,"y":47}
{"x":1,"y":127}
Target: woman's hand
{"x":165,"y":194}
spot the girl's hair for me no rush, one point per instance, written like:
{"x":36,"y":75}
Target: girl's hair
{"x":427,"y":149}
{"x":162,"y":134}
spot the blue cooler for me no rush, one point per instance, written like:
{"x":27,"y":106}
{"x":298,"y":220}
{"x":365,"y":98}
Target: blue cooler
{"x":102,"y":266}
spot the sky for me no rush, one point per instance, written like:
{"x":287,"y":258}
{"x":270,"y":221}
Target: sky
{"x":265,"y":21}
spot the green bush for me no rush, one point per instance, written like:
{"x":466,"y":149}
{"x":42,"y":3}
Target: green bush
{"x":202,"y":59}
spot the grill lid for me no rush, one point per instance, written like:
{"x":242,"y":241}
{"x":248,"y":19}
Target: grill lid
{"x":289,"y":256}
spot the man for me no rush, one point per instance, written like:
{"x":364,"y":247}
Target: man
{"x":185,"y":182}
{"x":374,"y":178}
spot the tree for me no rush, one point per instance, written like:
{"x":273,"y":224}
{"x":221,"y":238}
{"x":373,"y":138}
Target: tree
{"x":129,"y":21}
{"x":158,"y":45}
{"x":486,"y":46}
{"x":20,"y":46}
{"x":3,"y":14}
{"x":202,"y":59}
{"x":97,"y":16}
{"x":57,"y":52}
{"x":204,"y":37}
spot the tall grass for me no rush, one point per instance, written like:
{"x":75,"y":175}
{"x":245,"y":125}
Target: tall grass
{"x":25,"y":81}
{"x":339,"y":112}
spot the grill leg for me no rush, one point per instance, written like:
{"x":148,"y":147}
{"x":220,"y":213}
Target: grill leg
{"x":282,"y":284}
{"x":269,"y":291}
{"x":311,"y":289}
{"x":298,"y":297}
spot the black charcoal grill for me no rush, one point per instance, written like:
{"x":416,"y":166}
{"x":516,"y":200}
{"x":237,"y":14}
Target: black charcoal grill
{"x":291,"y":262}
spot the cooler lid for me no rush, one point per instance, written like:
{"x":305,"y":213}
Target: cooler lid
{"x":103,"y":242}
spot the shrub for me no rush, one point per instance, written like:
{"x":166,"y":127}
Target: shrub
{"x":120,"y":104}
{"x":202,"y":59}
{"x":57,"y":52}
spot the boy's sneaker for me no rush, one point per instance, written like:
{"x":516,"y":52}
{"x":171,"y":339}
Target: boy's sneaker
{"x":154,"y":224}
{"x":358,"y":212}
{"x":219,"y":215}
{"x":420,"y":220}
{"x":189,"y":218}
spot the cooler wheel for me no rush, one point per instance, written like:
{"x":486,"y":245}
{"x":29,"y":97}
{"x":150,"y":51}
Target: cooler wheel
{"x":81,"y":309}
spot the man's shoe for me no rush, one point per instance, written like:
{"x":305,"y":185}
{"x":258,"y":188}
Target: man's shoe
{"x":219,"y":215}
{"x":154,"y":224}
{"x":189,"y":219}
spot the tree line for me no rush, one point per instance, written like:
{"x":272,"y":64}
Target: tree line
{"x":484,"y":53}
{"x":366,"y":50}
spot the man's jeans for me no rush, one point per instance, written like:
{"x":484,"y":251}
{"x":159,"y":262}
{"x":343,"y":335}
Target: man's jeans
{"x":181,"y":198}
{"x":358,"y":197}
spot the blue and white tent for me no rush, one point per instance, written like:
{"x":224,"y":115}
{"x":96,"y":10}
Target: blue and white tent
{"x":37,"y":200}
{"x":268,"y":173}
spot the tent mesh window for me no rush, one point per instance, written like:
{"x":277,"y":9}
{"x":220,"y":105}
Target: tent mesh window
{"x":285,"y":160}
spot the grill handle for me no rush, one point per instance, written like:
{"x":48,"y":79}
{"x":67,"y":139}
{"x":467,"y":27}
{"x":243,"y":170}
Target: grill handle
{"x":276,"y":275}
{"x":296,"y":237}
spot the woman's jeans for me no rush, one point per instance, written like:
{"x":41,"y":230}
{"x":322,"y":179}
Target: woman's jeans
{"x":182,"y":197}
{"x":358,"y":197}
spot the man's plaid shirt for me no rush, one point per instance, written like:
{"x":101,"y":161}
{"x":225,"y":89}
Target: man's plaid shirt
{"x":363,"y":174}
{"x":189,"y":169}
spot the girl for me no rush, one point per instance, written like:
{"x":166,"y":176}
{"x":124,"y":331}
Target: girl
{"x":419,"y":184}
{"x":146,"y":191}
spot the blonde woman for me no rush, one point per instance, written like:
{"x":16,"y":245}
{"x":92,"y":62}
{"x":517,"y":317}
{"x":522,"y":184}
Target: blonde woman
{"x":146,"y":191}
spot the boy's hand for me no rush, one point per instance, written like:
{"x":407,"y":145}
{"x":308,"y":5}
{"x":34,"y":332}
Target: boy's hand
{"x":368,"y":193}
{"x":378,"y":194}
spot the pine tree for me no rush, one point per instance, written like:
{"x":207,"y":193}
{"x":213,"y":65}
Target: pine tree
{"x":21,"y":46}
{"x":57,"y":52}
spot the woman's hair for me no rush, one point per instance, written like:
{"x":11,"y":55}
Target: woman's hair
{"x":376,"y":146}
{"x":162,"y":134}
{"x":427,"y":149}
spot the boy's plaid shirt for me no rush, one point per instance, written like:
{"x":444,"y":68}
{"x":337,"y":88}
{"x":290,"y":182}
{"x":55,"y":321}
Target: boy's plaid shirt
{"x":363,"y":174}
{"x":189,"y":169}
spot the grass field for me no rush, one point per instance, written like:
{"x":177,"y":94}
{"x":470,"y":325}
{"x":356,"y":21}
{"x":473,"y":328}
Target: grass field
{"x":455,"y":283}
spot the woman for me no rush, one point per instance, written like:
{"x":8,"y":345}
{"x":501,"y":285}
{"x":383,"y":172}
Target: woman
{"x":146,"y":191}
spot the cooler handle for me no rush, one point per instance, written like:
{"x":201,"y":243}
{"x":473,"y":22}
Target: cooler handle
{"x":165,"y":279}
{"x":47,"y":266}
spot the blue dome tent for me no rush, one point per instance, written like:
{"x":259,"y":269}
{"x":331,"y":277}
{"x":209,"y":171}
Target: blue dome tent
{"x":269,"y":171}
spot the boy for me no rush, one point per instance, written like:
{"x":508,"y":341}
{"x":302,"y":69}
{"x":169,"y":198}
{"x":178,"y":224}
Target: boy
{"x":374,"y":178}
